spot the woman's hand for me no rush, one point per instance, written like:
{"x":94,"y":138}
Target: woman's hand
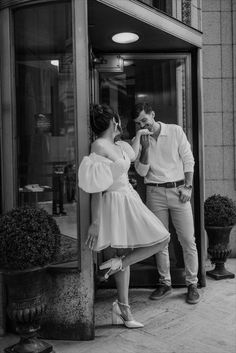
{"x":141,"y":138}
{"x":144,"y":138}
{"x":92,"y":235}
{"x":142,"y":132}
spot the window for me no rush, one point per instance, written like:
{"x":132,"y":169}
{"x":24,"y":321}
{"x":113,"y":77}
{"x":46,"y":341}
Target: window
{"x":46,"y":172}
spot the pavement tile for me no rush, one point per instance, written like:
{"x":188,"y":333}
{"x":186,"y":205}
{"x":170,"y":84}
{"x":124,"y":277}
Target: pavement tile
{"x":171,"y":325}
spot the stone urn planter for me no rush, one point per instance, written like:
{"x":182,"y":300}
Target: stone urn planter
{"x":30,"y":241}
{"x":25,"y":307}
{"x":219,"y":250}
{"x":220,"y":216}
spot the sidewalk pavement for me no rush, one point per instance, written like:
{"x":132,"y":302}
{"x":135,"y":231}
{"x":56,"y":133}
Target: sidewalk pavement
{"x":170,"y":325}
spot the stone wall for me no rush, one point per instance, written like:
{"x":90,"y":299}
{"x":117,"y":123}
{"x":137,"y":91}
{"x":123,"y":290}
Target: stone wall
{"x":219,"y":92}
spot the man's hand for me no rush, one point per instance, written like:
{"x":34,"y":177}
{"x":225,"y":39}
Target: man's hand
{"x":144,"y":137}
{"x":184,"y":194}
{"x":145,"y":141}
{"x":92,"y":235}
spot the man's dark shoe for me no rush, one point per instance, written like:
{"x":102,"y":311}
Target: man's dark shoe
{"x":161,"y":291}
{"x":193,"y":296}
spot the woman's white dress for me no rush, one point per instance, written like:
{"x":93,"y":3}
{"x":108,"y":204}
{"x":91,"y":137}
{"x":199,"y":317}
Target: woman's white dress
{"x":124,"y":220}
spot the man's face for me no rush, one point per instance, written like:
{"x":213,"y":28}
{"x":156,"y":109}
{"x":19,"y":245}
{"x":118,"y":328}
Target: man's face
{"x":145,"y":121}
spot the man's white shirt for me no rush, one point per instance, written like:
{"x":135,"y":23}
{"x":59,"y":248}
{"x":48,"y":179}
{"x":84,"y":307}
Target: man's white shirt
{"x":170,"y":156}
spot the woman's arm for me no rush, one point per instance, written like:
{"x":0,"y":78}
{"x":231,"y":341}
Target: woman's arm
{"x":94,"y":226}
{"x":95,"y":204}
{"x":136,"y":141}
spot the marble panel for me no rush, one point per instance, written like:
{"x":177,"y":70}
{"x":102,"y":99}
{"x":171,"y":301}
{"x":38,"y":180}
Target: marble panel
{"x":211,"y":5}
{"x":212,"y":61}
{"x":229,"y":189}
{"x":213,"y":129}
{"x":214,"y":187}
{"x":225,"y":5}
{"x":234,"y":59}
{"x":234,"y":25}
{"x":212,"y":95}
{"x":214,"y":162}
{"x":228,"y":168}
{"x":226,"y":28}
{"x":228,"y":129}
{"x":227,"y":61}
{"x":211,"y":28}
{"x":234,"y":5}
{"x":227,"y":94}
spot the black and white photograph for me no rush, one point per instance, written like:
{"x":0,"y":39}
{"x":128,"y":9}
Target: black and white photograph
{"x":117,"y":176}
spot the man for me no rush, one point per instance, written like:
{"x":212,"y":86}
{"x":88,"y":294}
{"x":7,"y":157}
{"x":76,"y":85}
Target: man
{"x":166,"y":162}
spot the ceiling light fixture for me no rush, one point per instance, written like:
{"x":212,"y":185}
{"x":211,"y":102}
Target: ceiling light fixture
{"x":125,"y":37}
{"x":55,"y":62}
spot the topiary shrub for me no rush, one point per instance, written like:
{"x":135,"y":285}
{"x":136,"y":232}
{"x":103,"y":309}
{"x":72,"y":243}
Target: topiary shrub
{"x":29,"y":237}
{"x":219,"y":211}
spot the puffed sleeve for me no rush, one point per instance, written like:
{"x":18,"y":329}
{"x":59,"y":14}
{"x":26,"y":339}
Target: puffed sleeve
{"x":94,"y":176}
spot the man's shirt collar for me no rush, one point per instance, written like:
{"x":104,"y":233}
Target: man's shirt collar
{"x":163,"y":129}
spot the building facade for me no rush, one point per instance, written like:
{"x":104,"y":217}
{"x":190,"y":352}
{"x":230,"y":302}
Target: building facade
{"x":58,"y":57}
{"x":219,"y":96}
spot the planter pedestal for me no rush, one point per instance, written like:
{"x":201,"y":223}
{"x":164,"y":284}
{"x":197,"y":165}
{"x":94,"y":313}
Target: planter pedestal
{"x":220,"y":272}
{"x":29,"y":344}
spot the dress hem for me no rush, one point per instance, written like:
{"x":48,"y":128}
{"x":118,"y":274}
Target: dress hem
{"x":133,"y":246}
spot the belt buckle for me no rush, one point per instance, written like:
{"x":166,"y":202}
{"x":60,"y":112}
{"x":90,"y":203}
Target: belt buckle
{"x":170,"y":185}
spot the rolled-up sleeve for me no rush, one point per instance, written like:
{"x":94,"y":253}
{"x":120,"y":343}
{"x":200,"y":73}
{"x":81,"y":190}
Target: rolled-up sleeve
{"x":185,"y":151}
{"x":141,"y":169}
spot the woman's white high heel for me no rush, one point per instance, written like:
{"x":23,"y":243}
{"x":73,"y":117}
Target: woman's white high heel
{"x":123,"y":317}
{"x":114,"y":265}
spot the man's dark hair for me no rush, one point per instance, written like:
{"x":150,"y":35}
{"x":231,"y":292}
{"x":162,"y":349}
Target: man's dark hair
{"x":140,"y":107}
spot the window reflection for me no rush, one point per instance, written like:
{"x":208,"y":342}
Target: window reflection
{"x":45,"y":111}
{"x":161,"y":82}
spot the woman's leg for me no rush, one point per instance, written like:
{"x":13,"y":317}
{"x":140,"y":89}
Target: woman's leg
{"x":122,"y":285}
{"x":139,"y":254}
{"x":121,"y":312}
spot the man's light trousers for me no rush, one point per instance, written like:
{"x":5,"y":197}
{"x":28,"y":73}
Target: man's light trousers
{"x":160,"y":201}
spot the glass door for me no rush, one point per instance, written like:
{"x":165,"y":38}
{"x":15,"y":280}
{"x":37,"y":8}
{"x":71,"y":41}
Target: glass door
{"x":163,"y":81}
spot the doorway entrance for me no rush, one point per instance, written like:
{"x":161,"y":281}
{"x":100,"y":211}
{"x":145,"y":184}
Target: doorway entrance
{"x":164,"y":81}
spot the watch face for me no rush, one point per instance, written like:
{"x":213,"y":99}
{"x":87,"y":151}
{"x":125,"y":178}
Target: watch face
{"x":188,"y":187}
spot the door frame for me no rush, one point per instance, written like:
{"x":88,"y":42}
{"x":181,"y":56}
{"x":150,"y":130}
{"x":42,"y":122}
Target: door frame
{"x":193,"y":99}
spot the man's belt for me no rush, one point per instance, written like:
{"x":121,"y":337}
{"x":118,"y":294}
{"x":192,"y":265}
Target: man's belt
{"x":171,"y":184}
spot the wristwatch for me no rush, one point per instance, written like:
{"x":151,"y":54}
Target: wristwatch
{"x":189,"y":187}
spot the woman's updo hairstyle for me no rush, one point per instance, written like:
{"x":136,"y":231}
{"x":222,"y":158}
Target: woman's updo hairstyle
{"x":100,"y":117}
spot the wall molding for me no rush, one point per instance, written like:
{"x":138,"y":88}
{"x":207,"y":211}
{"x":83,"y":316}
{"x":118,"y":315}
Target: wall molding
{"x":157,"y":19}
{"x":19,"y":3}
{"x":186,"y":12}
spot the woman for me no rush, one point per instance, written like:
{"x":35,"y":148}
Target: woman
{"x":121,"y":223}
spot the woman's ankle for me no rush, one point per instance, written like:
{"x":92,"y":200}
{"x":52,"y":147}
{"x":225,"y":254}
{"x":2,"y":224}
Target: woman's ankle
{"x":125,"y":311}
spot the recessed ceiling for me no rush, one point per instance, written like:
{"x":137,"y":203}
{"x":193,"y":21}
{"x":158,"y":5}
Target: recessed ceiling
{"x":104,"y":22}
